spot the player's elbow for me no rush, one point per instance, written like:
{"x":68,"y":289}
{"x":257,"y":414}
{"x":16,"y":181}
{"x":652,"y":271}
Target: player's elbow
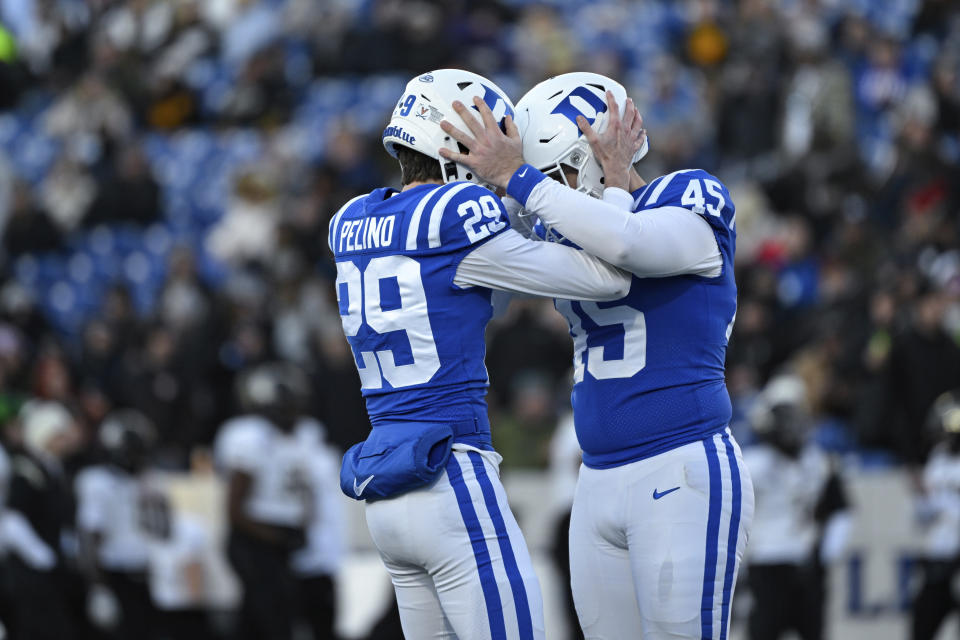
{"x":619,"y":253}
{"x":618,"y":287}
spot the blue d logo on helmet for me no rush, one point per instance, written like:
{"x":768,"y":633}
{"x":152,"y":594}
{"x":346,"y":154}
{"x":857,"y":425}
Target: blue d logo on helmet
{"x":494,"y":100}
{"x":566,"y":107}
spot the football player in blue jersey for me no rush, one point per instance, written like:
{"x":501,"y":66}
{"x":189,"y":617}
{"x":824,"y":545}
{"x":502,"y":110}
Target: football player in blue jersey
{"x":416,"y":270}
{"x":663,"y":504}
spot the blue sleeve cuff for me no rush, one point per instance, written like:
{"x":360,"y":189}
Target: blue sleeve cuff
{"x":523,"y":181}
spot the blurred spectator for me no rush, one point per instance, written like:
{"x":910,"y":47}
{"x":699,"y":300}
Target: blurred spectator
{"x":130,"y":194}
{"x":749,"y":84}
{"x":676,"y":109}
{"x":90,"y":115}
{"x":7,"y":612}
{"x":51,"y":376}
{"x":12,"y":74}
{"x":29,"y":229}
{"x":565,"y":460}
{"x":38,"y":517}
{"x":66,"y":193}
{"x":337,"y":388}
{"x":531,"y":342}
{"x":542,"y":44}
{"x":247,"y":230}
{"x":818,"y":109}
{"x":924,"y":362}
{"x":185,"y":302}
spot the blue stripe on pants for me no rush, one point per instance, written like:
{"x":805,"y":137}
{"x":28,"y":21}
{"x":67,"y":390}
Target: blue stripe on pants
{"x":524,"y":621}
{"x":713,"y":539}
{"x":731,"y":537}
{"x":488,"y":581}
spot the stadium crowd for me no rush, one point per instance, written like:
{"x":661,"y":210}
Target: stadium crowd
{"x":168,"y":169}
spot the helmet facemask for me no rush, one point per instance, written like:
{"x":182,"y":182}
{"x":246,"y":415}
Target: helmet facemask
{"x":547,"y":117}
{"x":577,"y":159}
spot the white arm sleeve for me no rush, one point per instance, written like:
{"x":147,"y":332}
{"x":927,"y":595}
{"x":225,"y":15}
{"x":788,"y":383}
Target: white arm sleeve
{"x":509,"y":262}
{"x":835,"y":537}
{"x":656,"y":243}
{"x":521,"y":224}
{"x":18,"y":536}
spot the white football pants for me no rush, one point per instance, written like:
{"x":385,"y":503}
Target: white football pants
{"x":458,"y":562}
{"x":655,"y":545}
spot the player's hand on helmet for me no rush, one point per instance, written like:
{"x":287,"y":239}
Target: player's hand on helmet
{"x":493,"y":154}
{"x":616,"y":147}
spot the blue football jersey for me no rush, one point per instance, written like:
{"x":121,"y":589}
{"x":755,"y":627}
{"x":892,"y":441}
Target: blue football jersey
{"x":649,"y":368}
{"x":417,"y":338}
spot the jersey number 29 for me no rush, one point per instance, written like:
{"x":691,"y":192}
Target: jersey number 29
{"x":364,"y":306}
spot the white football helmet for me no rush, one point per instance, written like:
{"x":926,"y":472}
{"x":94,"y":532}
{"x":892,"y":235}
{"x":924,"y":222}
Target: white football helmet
{"x":547,"y":119}
{"x":428,"y":99}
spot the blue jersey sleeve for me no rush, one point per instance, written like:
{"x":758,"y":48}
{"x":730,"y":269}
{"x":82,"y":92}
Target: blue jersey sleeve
{"x":456,"y":217}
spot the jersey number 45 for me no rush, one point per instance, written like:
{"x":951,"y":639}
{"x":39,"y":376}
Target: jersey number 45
{"x":634,"y":357}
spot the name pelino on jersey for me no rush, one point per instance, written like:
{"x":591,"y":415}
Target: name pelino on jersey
{"x":407,"y":376}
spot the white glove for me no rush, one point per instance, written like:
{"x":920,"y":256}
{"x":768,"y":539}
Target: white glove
{"x":103,"y":609}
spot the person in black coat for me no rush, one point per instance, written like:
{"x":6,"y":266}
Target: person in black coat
{"x":924,"y":362}
{"x":39,"y":508}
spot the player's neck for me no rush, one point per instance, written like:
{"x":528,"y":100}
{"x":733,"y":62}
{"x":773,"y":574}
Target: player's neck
{"x":636,"y":182}
{"x":418,"y":184}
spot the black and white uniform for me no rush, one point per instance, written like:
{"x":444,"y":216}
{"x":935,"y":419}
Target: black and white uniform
{"x":317,"y":564}
{"x":279,"y":468}
{"x":181,"y":614}
{"x":36,"y":517}
{"x":110,"y":504}
{"x":939,"y":514}
{"x":789,"y":542}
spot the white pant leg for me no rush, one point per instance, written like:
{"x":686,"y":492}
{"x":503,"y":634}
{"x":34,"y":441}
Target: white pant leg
{"x":684,"y":519}
{"x":600,"y":573}
{"x":460,"y":533}
{"x":421,"y":614}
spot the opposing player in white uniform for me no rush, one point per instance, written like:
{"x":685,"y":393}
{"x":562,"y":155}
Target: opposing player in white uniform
{"x":415,"y":274}
{"x":112,"y":498}
{"x":269,"y":499}
{"x":938,"y":513}
{"x":663,"y":503}
{"x":801,"y":523}
{"x":317,"y":564}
